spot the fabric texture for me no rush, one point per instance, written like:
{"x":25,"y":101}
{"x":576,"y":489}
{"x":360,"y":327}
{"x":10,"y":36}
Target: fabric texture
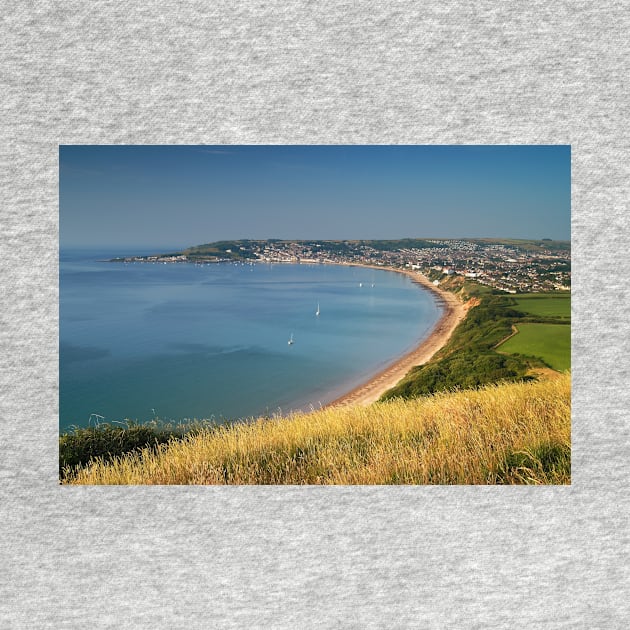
{"x":311,"y":73}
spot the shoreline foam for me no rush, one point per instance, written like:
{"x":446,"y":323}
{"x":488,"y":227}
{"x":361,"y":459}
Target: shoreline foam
{"x":454,"y":312}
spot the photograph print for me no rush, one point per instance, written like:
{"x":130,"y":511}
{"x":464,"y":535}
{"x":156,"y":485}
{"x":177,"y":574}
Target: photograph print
{"x":321,"y":314}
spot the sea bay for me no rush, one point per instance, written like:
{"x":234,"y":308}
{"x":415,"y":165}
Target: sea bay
{"x":183,"y":341}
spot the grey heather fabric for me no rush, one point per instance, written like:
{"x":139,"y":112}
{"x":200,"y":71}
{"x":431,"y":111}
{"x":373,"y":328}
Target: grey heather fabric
{"x":327,"y":72}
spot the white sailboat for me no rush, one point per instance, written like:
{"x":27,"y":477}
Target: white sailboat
{"x":317,"y":311}
{"x":290,"y":342}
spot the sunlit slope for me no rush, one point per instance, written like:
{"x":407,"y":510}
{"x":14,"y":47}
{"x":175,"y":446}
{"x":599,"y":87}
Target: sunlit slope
{"x":512,"y":433}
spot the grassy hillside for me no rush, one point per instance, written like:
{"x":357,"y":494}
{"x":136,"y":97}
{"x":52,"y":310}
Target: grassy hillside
{"x":515,"y":433}
{"x":469,"y":359}
{"x":474,"y":355}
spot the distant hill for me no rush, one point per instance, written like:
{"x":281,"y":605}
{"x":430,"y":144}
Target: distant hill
{"x":526,"y":244}
{"x":242,"y":249}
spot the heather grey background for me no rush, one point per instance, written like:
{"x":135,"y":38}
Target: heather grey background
{"x":348,"y":72}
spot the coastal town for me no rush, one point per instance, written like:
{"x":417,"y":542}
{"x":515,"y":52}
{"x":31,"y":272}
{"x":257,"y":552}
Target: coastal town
{"x":511,"y":266}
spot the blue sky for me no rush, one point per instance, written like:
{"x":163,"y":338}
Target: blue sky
{"x":176,"y":196}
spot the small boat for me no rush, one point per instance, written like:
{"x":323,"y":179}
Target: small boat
{"x":360,"y":284}
{"x":290,"y":342}
{"x":317,"y":311}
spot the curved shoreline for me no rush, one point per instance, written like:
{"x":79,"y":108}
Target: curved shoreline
{"x":454,"y":312}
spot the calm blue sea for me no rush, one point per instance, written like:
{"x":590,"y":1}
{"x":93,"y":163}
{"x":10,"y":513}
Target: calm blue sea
{"x":182,"y":341}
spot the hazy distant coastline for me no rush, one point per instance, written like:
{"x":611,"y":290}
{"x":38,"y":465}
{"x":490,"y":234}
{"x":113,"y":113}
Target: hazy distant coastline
{"x":510,"y":265}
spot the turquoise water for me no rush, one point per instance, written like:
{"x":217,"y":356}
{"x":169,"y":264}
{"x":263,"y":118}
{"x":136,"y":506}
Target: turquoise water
{"x":182,"y":341}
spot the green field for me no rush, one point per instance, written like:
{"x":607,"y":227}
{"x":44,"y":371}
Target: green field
{"x":545,"y":305}
{"x":550,"y":342}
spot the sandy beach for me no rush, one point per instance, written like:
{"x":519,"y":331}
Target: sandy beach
{"x":454,"y":312}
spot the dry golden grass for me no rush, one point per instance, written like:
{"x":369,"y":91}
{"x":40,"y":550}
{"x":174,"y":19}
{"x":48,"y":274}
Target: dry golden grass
{"x":514,"y":433}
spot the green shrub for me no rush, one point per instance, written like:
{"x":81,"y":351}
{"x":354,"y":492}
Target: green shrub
{"x":107,"y":441}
